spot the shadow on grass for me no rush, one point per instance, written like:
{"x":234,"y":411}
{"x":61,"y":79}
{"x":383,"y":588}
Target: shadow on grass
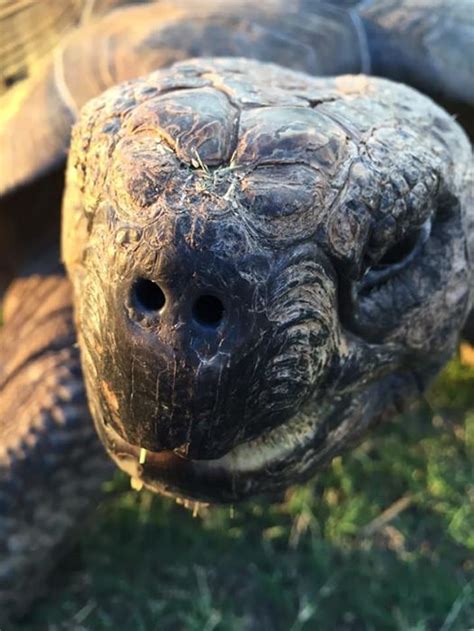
{"x":329,"y":555}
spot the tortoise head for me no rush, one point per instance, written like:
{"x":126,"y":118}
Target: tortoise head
{"x":264,"y":265}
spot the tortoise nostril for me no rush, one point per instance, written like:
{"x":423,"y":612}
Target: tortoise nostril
{"x":147,"y":296}
{"x":208,"y":311}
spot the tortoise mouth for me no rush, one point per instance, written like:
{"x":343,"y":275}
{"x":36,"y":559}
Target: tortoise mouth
{"x":264,"y":465}
{"x":279,"y":457}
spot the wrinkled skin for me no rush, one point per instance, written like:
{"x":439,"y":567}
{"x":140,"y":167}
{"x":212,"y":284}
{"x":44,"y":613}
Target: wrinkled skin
{"x":325,"y":219}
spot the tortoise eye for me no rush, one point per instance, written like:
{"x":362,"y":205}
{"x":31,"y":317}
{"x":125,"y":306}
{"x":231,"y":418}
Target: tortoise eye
{"x":396,"y":258}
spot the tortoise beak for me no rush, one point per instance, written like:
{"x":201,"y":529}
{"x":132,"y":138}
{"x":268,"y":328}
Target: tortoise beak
{"x":264,"y":465}
{"x":183,"y":354}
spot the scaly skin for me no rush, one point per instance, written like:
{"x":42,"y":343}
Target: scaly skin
{"x":281,"y":195}
{"x":51,"y":462}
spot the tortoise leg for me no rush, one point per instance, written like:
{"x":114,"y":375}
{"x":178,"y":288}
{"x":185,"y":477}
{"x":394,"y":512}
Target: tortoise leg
{"x":52,"y":465}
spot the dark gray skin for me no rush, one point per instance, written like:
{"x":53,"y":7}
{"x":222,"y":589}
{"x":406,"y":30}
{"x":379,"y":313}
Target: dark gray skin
{"x":315,"y":342}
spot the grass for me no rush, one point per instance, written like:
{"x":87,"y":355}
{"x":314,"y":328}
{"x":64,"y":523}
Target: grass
{"x":329,"y":555}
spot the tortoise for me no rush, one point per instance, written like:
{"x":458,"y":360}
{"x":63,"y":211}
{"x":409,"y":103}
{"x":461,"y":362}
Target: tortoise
{"x":267,"y":252}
